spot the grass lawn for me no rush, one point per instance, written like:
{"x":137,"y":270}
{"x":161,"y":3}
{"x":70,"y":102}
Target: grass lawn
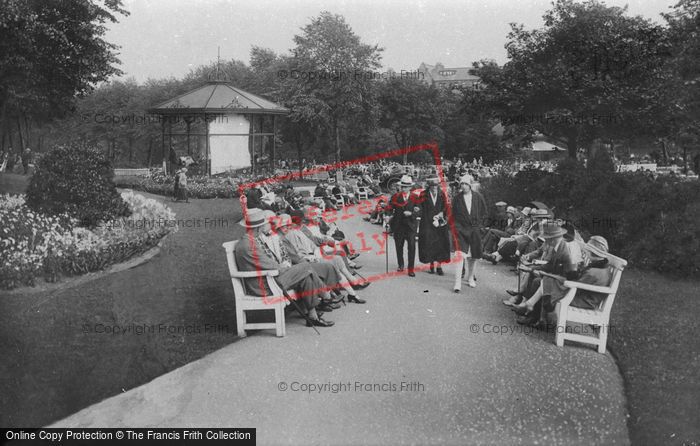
{"x":656,"y":341}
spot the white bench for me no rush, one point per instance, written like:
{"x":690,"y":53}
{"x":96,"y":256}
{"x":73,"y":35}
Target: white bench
{"x":248,"y":302}
{"x":600,"y":317}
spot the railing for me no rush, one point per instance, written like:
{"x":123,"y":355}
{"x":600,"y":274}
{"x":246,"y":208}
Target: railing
{"x":132,"y":172}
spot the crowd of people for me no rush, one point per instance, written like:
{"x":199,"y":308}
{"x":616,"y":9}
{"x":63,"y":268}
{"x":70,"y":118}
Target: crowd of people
{"x":440,"y":223}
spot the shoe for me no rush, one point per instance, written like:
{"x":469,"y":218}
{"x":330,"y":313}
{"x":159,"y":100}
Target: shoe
{"x":357,"y":300}
{"x":411,"y":274}
{"x":335,"y":300}
{"x":509,"y":303}
{"x":472,"y":283}
{"x":521,"y":309}
{"x":431,"y":270}
{"x":320,"y":322}
{"x":354,"y":256}
{"x":440,"y":272}
{"x":356,"y":266}
{"x":547,"y":304}
{"x":400,"y":269}
{"x":489,"y":257}
{"x":513,"y":293}
{"x":360,"y":286}
{"x":456,"y":290}
{"x":331,"y":305}
{"x":323,"y":308}
{"x":526,"y":320}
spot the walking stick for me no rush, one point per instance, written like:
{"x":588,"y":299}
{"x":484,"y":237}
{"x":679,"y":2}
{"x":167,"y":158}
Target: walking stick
{"x":517,"y":270}
{"x":296,"y":307}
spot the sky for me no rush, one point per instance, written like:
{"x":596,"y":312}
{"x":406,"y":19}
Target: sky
{"x":167,"y":38}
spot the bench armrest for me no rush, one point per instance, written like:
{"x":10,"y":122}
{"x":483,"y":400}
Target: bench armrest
{"x":585,"y":286}
{"x":249,"y":274}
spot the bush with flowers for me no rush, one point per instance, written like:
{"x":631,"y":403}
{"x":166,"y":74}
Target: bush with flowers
{"x":198,"y":186}
{"x":34,"y":245}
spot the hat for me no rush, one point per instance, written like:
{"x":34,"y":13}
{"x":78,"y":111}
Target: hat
{"x":510,"y":210}
{"x":253,"y":218}
{"x":284,"y":220}
{"x":467,"y":179}
{"x":552,"y":230}
{"x":434,"y":181}
{"x":598,"y":245}
{"x":501,"y":203}
{"x":526,"y":211}
{"x":406,"y":181}
{"x":539,"y":213}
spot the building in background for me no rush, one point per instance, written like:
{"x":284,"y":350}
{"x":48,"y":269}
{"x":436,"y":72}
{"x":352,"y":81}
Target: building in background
{"x":441,"y":76}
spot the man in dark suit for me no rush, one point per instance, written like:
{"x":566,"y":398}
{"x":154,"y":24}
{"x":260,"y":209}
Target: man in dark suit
{"x":403,"y":222}
{"x":469,"y":214}
{"x":259,"y":250}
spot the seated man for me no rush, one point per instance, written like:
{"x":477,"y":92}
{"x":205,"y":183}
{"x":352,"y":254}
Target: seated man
{"x":256,"y":251}
{"x":302,"y":249}
{"x":522,"y":242}
{"x":493,"y":235}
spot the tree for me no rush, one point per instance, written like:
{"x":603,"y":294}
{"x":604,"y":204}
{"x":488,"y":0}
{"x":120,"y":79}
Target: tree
{"x":588,"y":70}
{"x":51,"y":51}
{"x":680,"y":93}
{"x":331,"y":76}
{"x":411,"y":109}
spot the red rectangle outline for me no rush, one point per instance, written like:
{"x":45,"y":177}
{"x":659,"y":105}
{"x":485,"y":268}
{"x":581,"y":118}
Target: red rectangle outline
{"x":432,"y":146}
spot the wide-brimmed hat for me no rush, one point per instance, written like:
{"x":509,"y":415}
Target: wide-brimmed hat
{"x":526,"y":211}
{"x":539,"y":213}
{"x":434,"y":181}
{"x":598,"y":245}
{"x":511,"y":210}
{"x":406,"y":181}
{"x":501,"y":203}
{"x":552,"y":230}
{"x":468,"y":179}
{"x":253,"y":218}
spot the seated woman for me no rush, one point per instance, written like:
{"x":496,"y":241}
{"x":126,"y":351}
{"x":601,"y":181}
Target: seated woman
{"x":596,"y":272}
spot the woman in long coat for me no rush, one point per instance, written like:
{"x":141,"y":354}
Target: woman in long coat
{"x":433,"y":233}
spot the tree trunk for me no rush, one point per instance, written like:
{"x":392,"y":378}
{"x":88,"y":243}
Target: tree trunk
{"x":150,"y":152}
{"x":572,"y":144}
{"x":21,"y":139}
{"x":337,"y":141}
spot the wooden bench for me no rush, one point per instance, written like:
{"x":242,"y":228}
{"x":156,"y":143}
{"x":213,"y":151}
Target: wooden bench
{"x":600,"y":317}
{"x":248,"y":302}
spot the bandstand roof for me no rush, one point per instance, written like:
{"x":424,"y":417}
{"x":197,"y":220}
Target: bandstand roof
{"x":218,"y":97}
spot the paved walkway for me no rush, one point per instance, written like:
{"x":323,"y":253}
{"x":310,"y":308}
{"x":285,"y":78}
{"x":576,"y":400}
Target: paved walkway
{"x":463,"y":383}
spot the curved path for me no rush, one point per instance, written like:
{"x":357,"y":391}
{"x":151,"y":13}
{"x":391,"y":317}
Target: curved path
{"x":464,"y":382}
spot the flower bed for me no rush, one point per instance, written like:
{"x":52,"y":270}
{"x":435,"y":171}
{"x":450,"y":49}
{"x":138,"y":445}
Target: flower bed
{"x":35,"y":245}
{"x":198,"y":186}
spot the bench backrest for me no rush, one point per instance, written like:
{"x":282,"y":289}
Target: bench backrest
{"x":238,"y":285}
{"x":617,"y":265}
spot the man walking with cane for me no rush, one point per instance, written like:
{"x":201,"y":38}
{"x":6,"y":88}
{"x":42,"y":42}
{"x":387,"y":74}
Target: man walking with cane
{"x":404,"y":223}
{"x":468,"y":213}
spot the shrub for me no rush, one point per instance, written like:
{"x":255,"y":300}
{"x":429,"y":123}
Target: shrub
{"x":76,"y":180}
{"x":34,"y":244}
{"x":197,"y":186}
{"x":652,"y":223}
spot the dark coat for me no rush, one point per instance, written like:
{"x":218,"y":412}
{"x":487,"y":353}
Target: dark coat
{"x":400,"y":223}
{"x":433,"y":243}
{"x":468,"y":225}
